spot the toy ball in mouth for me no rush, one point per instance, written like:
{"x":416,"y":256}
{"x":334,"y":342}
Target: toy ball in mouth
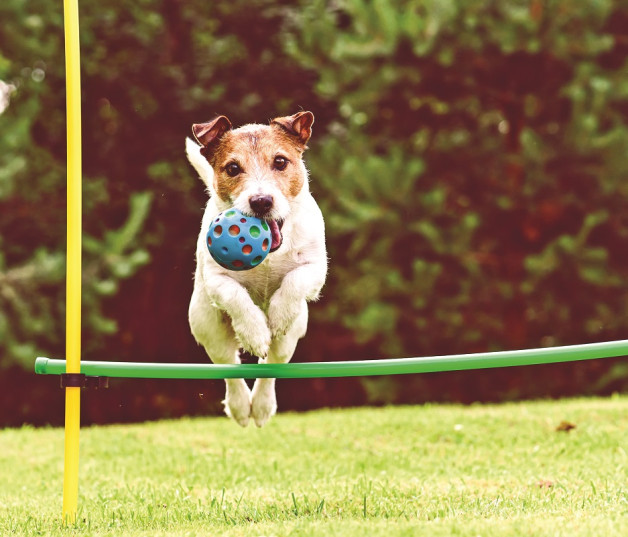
{"x":237,"y":241}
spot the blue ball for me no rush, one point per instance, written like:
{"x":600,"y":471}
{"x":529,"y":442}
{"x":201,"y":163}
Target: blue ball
{"x":237,"y":241}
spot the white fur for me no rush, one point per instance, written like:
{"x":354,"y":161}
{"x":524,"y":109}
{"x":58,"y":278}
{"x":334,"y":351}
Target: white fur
{"x":263,"y":310}
{"x":5,"y":95}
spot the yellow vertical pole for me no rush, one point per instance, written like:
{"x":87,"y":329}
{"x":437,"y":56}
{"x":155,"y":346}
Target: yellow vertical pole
{"x":73,"y":274}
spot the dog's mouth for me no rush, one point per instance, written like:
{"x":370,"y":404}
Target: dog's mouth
{"x":275,"y":231}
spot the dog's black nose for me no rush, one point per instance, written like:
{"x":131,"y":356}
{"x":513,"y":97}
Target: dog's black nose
{"x":261,"y":205}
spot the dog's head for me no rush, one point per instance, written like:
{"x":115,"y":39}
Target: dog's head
{"x":257,"y":168}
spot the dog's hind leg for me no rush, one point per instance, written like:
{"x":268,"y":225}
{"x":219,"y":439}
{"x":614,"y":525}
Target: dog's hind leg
{"x":237,"y":400}
{"x":264,"y":399}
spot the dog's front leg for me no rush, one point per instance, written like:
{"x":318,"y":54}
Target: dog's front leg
{"x":212,"y":328}
{"x":298,"y":286}
{"x":264,"y":399}
{"x":247,"y":319}
{"x":287,"y":318}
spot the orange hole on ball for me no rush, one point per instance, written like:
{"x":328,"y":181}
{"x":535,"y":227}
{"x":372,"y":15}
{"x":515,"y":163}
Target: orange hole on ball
{"x":237,"y":263}
{"x":247,"y":249}
{"x":265,"y":245}
{"x":209,"y":241}
{"x":217,"y":231}
{"x":234,"y":230}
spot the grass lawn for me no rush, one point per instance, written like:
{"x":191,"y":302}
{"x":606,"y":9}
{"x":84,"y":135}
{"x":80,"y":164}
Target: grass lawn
{"x":442,"y":470}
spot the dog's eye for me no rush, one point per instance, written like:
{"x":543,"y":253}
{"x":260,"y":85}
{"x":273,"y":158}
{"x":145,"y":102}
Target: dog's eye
{"x":233,"y":169}
{"x":280,"y":163}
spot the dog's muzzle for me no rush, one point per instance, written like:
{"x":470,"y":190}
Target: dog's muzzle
{"x":262,"y":205}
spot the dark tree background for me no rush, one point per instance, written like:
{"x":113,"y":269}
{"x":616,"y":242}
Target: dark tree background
{"x":469,"y":157}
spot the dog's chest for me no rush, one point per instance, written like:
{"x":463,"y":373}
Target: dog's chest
{"x":262,"y":281}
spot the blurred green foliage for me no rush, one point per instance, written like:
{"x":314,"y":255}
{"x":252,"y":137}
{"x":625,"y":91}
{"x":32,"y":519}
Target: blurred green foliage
{"x":480,"y":185}
{"x":469,"y":157}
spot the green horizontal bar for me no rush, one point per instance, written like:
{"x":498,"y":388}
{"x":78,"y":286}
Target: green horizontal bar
{"x":395,"y":366}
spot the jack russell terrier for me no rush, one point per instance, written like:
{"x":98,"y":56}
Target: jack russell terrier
{"x":259,"y":170}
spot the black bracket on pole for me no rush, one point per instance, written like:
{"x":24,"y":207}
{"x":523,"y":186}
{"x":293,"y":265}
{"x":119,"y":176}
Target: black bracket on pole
{"x":79,"y":380}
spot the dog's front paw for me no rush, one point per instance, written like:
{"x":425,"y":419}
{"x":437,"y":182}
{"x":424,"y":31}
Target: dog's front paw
{"x":253,"y":333}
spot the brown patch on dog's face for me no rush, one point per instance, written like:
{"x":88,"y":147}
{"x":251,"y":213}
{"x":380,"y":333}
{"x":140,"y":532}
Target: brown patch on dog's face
{"x":257,"y":153}
{"x":253,"y":154}
{"x":226,"y":158}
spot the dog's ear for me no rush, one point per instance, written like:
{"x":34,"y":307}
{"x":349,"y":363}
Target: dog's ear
{"x":298,"y":125}
{"x":209,"y":134}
